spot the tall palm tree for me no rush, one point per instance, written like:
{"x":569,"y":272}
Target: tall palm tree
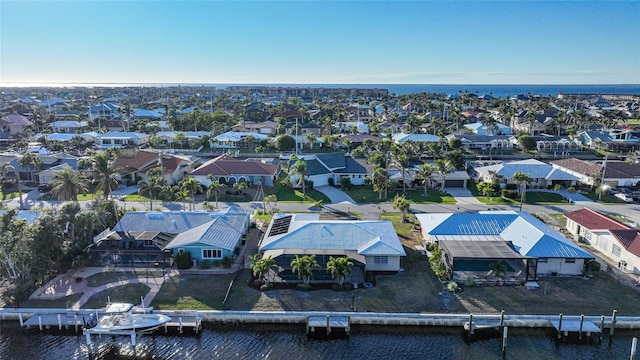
{"x":443,"y":167}
{"x":192,"y":185}
{"x":380,"y":181}
{"x":67,"y":183}
{"x":214,"y":189}
{"x":169,"y":193}
{"x":105,"y":172}
{"x":401,"y":203}
{"x":32,"y":161}
{"x":522,"y":179}
{"x":339,"y":268}
{"x":126,"y":111}
{"x":425,"y":174}
{"x":150,"y":188}
{"x":299,"y":168}
{"x":262,"y":267}
{"x":303,"y":265}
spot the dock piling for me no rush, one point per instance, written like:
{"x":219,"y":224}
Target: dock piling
{"x":59,"y":321}
{"x":180,"y":321}
{"x":470,"y":324}
{"x":613,"y":326}
{"x":21,"y":320}
{"x":501,"y":319}
{"x":328,"y":326}
{"x":40,"y":322}
{"x":504,"y":340}
{"x":634,"y":345}
{"x":581,"y":323}
{"x":560,"y":327}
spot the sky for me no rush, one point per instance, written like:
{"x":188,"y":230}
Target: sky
{"x":320,"y":42}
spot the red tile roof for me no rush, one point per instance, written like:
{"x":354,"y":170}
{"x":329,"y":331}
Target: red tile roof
{"x":227,"y":165}
{"x":134,"y":162}
{"x":630,"y":239}
{"x":579,"y":166}
{"x":593,"y":220}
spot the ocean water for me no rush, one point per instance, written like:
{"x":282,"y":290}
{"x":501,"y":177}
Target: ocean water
{"x":290,"y":342}
{"x":402,"y":89}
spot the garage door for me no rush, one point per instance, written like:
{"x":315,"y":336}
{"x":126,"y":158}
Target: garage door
{"x":454,"y":183}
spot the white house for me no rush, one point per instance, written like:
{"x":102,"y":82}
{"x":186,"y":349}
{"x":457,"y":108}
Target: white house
{"x":120,"y":139}
{"x":323,"y":167}
{"x":542,"y":175}
{"x":617,"y":241}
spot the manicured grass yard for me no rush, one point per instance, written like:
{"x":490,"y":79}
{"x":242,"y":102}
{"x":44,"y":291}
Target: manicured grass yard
{"x":195,"y":292}
{"x":544,"y":198}
{"x":364,"y":194}
{"x":62,"y":303}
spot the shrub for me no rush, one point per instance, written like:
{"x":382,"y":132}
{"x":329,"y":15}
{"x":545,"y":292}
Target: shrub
{"x":510,"y":194}
{"x":304,"y":287}
{"x":469,"y":281}
{"x":183,"y":260}
{"x":431,"y":246}
{"x":264,"y":287}
{"x":370,"y":277}
{"x":331,"y":182}
{"x":226,"y":262}
{"x":205,"y":264}
{"x":308,"y":184}
{"x":217,"y":263}
{"x":345,"y":183}
{"x":452,"y":286}
{"x":335,"y":287}
{"x":347,"y":287}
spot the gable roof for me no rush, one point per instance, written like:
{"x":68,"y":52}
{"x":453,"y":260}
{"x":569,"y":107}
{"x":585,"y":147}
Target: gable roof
{"x":630,"y":239}
{"x":536,"y":170}
{"x":216,"y":232}
{"x":618,"y":170}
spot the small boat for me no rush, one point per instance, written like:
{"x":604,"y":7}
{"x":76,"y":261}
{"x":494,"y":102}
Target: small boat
{"x":119,"y":317}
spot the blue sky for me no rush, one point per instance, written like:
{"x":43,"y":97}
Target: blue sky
{"x":315,"y":42}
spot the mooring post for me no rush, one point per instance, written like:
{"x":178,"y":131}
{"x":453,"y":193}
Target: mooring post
{"x":613,"y":326}
{"x":21,"y":320}
{"x":180,"y":321}
{"x":307,"y":325}
{"x":59,"y":321}
{"x":634,"y":345}
{"x":501,"y":318}
{"x":133,"y":338}
{"x":87,"y":335}
{"x":75,"y":321}
{"x":580,"y":331}
{"x":40,"y":321}
{"x":504,"y":340}
{"x":601,"y":326}
{"x":560,"y":327}
{"x":142,"y":303}
{"x":470,"y":324}
{"x":328,"y":325}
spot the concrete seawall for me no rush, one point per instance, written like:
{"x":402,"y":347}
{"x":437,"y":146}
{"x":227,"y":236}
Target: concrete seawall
{"x":356,"y":318}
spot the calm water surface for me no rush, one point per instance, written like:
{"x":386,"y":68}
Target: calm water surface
{"x":278,"y":342}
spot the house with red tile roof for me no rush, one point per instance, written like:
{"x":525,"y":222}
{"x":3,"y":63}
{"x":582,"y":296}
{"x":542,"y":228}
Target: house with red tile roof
{"x":585,"y":170}
{"x":617,"y":241}
{"x":229,"y":170}
{"x":133,"y":166}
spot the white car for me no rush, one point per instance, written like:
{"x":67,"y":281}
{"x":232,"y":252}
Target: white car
{"x":624,"y":197}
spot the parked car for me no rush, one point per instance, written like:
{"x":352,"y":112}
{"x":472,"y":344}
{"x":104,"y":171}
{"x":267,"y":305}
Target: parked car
{"x":43,"y":188}
{"x":624,"y":197}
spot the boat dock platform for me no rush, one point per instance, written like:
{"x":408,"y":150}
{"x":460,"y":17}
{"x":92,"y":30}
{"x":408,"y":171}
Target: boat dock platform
{"x":328,"y":323}
{"x":72,"y":319}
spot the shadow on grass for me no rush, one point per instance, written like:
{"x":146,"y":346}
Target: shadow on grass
{"x":129,"y":293}
{"x":62,"y":303}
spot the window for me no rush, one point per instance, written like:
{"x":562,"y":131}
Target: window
{"x":543,"y":260}
{"x":148,"y":243}
{"x":569,"y":261}
{"x":616,"y":250}
{"x":380,"y":259}
{"x":211,"y":253}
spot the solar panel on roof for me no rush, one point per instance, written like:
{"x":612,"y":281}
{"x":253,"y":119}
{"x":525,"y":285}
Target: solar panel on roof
{"x":280,"y":226}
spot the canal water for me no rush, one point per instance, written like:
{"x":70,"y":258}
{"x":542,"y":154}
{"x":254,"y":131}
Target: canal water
{"x":290,"y":342}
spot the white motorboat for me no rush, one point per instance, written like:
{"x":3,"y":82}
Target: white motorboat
{"x":119,"y":318}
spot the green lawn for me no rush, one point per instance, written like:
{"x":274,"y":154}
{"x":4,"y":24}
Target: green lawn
{"x":194,"y":292}
{"x":62,"y":303}
{"x":544,"y":198}
{"x":364,"y":194}
{"x":493,"y":200}
{"x":10,"y":195}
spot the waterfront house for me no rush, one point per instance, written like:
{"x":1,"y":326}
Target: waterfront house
{"x":235,"y":140}
{"x":479,"y":128}
{"x":147,"y":237}
{"x":471,"y":242}
{"x":67,"y":126}
{"x":617,"y":241}
{"x":401,"y":138}
{"x":372,"y":245}
{"x":119,"y":139}
{"x":483,"y":142}
{"x":229,"y":170}
{"x":610,"y":140}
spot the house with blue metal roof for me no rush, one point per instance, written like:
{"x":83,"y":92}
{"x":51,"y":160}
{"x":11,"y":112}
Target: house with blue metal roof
{"x":143,"y":237}
{"x":372,"y":245}
{"x":529,"y":248}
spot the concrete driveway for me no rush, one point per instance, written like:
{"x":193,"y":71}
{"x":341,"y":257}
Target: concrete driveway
{"x":463,"y":196}
{"x":335,"y":195}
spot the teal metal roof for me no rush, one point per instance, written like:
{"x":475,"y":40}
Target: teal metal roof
{"x":474,"y":224}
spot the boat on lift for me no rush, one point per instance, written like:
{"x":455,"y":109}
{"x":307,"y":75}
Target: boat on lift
{"x":119,"y":319}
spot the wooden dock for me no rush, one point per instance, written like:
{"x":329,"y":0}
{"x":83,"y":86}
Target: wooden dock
{"x":328,"y":323}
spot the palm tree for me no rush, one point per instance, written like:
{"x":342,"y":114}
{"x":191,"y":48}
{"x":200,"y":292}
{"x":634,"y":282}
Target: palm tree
{"x":401,"y":203}
{"x":424,"y":173}
{"x":214,"y":189}
{"x":241,"y":186}
{"x":443,"y":167}
{"x":105,"y":172}
{"x":262,"y":267}
{"x":380,"y":181}
{"x":304,"y":267}
{"x":66,"y":184}
{"x":299,"y":168}
{"x":192,"y":185}
{"x":401,"y":160}
{"x":522,"y":179}
{"x":126,"y":111}
{"x":499,"y":269}
{"x":339,"y":268}
{"x":5,"y":167}
{"x":32,"y":161}
{"x":169,"y":193}
{"x":150,"y":188}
